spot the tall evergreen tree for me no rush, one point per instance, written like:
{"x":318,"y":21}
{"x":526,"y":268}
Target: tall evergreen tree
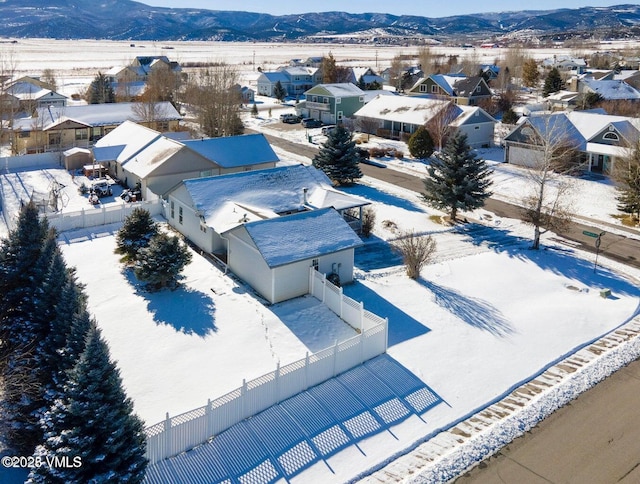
{"x":92,"y":425}
{"x":629,"y":193}
{"x":24,"y":258}
{"x":457,"y":180}
{"x":135,"y":234}
{"x":100,"y":90}
{"x":338,"y":157}
{"x":160,"y":264}
{"x":421,"y":143}
{"x":279,"y":92}
{"x":553,"y":82}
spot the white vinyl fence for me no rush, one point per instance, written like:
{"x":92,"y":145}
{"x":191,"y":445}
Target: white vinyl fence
{"x":99,"y":215}
{"x":183,"y":432}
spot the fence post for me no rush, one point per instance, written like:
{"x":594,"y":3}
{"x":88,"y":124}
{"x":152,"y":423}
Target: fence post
{"x":209,"y":418}
{"x":361,"y":317}
{"x":324,"y":287}
{"x":361,"y":348}
{"x":386,"y":334}
{"x":311,"y":280}
{"x":168,"y":448}
{"x":335,"y":357}
{"x":340,"y":291}
{"x":276,"y":379}
{"x":243,"y":397}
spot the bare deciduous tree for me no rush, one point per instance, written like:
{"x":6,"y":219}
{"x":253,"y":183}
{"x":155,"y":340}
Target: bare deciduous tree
{"x":8,"y":104}
{"x":548,"y":205}
{"x":439,"y":126}
{"x":416,"y":251}
{"x":368,"y":125}
{"x":216,"y":100}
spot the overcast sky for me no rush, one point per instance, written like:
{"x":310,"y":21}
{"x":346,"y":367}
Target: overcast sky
{"x":422,"y":8}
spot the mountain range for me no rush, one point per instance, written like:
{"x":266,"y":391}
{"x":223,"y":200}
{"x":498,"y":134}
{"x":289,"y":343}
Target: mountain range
{"x":129,"y":20}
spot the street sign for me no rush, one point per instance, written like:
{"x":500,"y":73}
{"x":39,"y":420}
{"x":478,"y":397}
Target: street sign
{"x":589,"y":234}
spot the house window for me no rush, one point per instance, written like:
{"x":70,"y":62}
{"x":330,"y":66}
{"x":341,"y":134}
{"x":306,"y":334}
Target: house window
{"x":423,"y":88}
{"x":611,"y":136}
{"x":203,"y":226}
{"x":338,"y":100}
{"x":54,"y":138}
{"x":162,"y":126}
{"x":434,"y":88}
{"x":315,"y":264}
{"x":361,"y":99}
{"x":314,"y":99}
{"x":82,"y":134}
{"x":340,"y":115}
{"x":478,"y":88}
{"x":180,"y":215}
{"x":173,"y":209}
{"x":24,"y":134}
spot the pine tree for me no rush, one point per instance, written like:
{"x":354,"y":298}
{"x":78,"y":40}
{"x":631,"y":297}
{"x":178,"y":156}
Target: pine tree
{"x":530,"y":73}
{"x":629,"y":191}
{"x":92,"y":425}
{"x":160,"y":264}
{"x":553,"y":82}
{"x":24,"y":259}
{"x":279,"y":92}
{"x":254,"y":110}
{"x":101,"y":91}
{"x":421,"y":143}
{"x":457,"y":180}
{"x":135,"y":234}
{"x":338,"y":157}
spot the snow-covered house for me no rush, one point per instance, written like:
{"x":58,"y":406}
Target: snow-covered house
{"x":462,"y":90}
{"x":28,"y":95}
{"x":212,"y":211}
{"x":599,"y":138}
{"x":61,"y":127}
{"x":139,"y":155}
{"x":610,"y":90}
{"x":399,"y":116}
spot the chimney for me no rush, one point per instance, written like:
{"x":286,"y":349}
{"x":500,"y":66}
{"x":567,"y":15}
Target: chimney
{"x":304,"y":196}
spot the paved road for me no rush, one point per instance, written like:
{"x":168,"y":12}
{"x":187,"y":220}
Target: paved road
{"x":618,"y":247}
{"x":592,"y":440}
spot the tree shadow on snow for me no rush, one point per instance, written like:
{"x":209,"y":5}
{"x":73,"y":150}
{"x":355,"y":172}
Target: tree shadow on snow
{"x":376,"y":254}
{"x":187,"y":311}
{"x":472,"y":311}
{"x":561,"y":262}
{"x":377,"y":195}
{"x":402,"y":327}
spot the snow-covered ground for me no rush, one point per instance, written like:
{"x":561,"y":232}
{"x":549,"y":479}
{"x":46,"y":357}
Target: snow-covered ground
{"x":488,"y":314}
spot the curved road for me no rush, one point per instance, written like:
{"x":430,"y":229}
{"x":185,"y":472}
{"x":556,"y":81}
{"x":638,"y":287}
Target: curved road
{"x":618,"y":247}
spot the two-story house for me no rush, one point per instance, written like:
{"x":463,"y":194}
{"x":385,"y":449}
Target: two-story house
{"x":331,"y":103}
{"x":467,"y":91}
{"x":295,"y":80}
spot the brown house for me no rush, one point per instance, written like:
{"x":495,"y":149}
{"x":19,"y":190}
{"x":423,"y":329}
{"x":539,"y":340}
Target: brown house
{"x":466,"y":91}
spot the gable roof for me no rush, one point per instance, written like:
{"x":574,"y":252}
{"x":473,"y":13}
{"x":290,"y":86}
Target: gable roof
{"x":612,"y":90}
{"x":222,"y":200}
{"x":301,"y":236}
{"x":466,"y":87}
{"x":446,"y":82}
{"x":124,"y":142}
{"x":235,"y":151}
{"x":342,"y":89}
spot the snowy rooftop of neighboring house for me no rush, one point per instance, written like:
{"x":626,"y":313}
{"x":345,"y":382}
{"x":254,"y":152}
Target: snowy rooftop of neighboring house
{"x":446,"y":82}
{"x":563,"y":96}
{"x":340,"y":89}
{"x":557,"y":128}
{"x":591,"y":123}
{"x":152,"y":156}
{"x":108,"y":114}
{"x":264,"y":193}
{"x":27,"y":91}
{"x":276,"y":76}
{"x":235,"y":151}
{"x":301,"y":236}
{"x":124,"y":142}
{"x":371,"y":95}
{"x":469,"y":112}
{"x":301,"y":70}
{"x":612,"y":90}
{"x":407,"y":109}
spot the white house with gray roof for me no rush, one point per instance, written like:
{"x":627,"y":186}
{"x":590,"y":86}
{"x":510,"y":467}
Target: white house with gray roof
{"x":250,"y":207}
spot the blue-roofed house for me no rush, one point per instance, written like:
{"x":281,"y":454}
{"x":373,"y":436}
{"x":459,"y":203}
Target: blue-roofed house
{"x":230,"y":217}
{"x":139,"y":155}
{"x":459,"y":88}
{"x":294,"y":79}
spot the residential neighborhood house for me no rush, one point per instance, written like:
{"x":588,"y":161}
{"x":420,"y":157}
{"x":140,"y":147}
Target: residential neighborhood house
{"x":59,"y":128}
{"x":270,"y":226}
{"x":462,"y":90}
{"x":400,"y":116}
{"x":600,"y":139}
{"x":331,"y":103}
{"x":295,"y":80}
{"x":141,"y":156}
{"x":28,"y":94}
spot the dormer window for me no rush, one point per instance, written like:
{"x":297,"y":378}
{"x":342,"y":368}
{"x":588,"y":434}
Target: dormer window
{"x":611,"y":136}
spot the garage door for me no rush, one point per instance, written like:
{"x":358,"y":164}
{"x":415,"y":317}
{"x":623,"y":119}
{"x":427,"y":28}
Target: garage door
{"x":518,"y":155}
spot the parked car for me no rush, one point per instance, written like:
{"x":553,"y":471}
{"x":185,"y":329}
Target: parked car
{"x":311,"y":123}
{"x":328,"y":129}
{"x":290,"y":118}
{"x":101,"y":188}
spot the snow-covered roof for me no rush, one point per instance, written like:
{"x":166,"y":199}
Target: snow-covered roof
{"x":446,"y":82}
{"x":235,"y":151}
{"x":124,"y":142}
{"x":301,"y":236}
{"x":592,"y":123}
{"x":557,"y":128}
{"x":108,"y":114}
{"x":612,"y":90}
{"x":469,"y":112}
{"x":300,"y":70}
{"x":152,"y":156}
{"x":27,"y":91}
{"x":406,"y":109}
{"x":222,"y":200}
{"x":276,"y":76}
{"x":341,"y":89}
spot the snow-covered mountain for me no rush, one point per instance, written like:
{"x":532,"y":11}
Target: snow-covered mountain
{"x":126,"y":19}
